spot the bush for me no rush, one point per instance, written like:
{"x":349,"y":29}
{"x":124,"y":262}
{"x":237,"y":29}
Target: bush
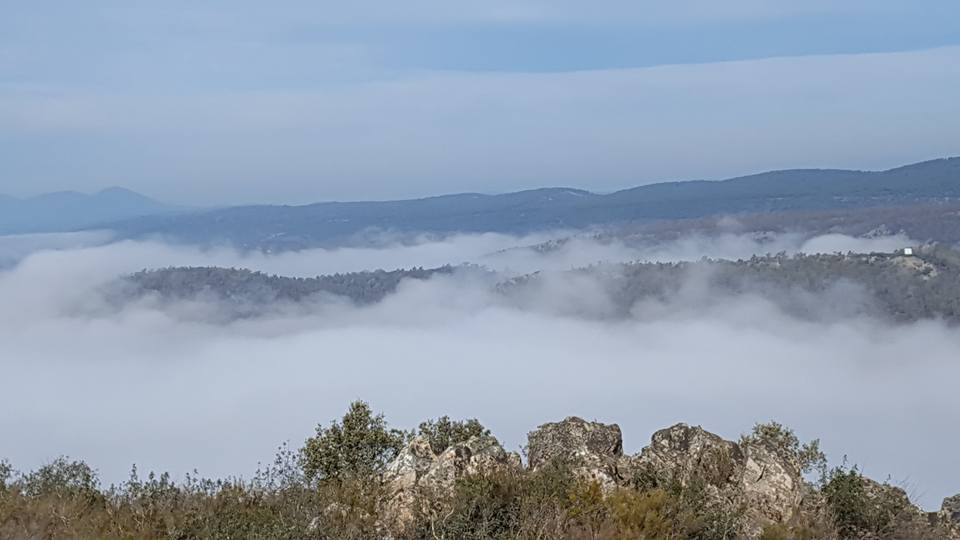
{"x":782,"y":441}
{"x":483,"y":506}
{"x":359,"y":446}
{"x":641,"y":515}
{"x":861,"y":508}
{"x":443,"y":433}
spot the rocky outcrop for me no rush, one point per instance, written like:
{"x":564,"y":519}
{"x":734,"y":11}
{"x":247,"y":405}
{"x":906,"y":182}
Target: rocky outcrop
{"x":756,"y":480}
{"x":417,"y":469}
{"x":950,"y":510}
{"x":771,"y":485}
{"x":750,"y":477}
{"x":592,"y":450}
{"x":681,"y":454}
{"x":949,"y":517}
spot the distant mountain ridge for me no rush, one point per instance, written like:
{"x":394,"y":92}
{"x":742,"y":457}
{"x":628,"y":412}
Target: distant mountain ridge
{"x":334,"y":223}
{"x":70,"y":210}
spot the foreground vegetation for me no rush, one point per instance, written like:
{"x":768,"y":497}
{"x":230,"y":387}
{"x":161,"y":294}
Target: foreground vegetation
{"x":335,"y":487}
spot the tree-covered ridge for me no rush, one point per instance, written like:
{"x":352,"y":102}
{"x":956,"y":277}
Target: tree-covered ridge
{"x":891,"y":285}
{"x":244,"y":286}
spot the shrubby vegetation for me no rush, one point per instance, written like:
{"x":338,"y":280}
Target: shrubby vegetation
{"x":782,"y":440}
{"x":334,"y":487}
{"x":443,"y":432}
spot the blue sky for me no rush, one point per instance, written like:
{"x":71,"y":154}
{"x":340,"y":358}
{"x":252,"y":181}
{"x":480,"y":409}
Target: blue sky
{"x":243,"y":101}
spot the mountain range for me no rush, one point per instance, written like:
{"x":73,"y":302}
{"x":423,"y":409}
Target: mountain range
{"x":278,"y":227}
{"x":69,"y":210}
{"x":335,"y":223}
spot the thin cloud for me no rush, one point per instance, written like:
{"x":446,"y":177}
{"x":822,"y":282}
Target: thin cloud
{"x":434,"y":133}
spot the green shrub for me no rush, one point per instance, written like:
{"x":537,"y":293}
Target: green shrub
{"x":642,"y":514}
{"x":784,"y":442}
{"x":443,"y":433}
{"x":359,"y":446}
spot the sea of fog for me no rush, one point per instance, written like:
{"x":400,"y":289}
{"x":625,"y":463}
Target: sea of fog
{"x":143,"y":386}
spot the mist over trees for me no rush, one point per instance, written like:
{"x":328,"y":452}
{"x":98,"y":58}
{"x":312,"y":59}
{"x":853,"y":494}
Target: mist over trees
{"x":891,"y":286}
{"x":242,"y":287}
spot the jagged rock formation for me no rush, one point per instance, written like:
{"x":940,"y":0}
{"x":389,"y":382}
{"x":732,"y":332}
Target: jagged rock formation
{"x":594,"y":451}
{"x":682,"y":454}
{"x":753,"y":478}
{"x":418,"y":470}
{"x":772,"y":485}
{"x":767,"y":487}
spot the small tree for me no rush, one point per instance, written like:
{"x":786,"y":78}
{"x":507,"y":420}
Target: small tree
{"x":443,"y":433}
{"x":782,"y":440}
{"x":847,"y":500}
{"x":358,"y":447}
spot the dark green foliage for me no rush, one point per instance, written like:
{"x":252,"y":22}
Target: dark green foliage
{"x":847,"y":499}
{"x":443,"y":433}
{"x":357,"y":447}
{"x":862,"y":508}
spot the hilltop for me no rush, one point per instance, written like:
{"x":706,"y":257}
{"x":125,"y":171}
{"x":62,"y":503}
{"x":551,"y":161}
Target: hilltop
{"x":70,"y":210}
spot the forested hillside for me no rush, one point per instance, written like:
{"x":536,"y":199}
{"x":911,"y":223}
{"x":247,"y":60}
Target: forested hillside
{"x":246,"y":287}
{"x":891,"y":286}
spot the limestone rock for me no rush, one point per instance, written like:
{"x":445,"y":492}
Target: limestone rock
{"x":751,"y":476}
{"x":593,"y":450}
{"x":681,"y":453}
{"x":772,"y":487}
{"x":418,"y":469}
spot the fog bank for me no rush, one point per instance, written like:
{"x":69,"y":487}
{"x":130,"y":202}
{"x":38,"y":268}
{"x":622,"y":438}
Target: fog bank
{"x":144,"y":386}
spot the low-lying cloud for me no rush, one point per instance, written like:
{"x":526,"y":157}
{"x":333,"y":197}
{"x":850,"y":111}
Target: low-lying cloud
{"x":141,"y":385}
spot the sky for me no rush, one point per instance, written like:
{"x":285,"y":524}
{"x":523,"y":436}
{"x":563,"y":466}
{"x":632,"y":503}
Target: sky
{"x":240,"y":102}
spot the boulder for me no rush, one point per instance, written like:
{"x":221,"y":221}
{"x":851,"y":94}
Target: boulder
{"x":479,"y":455}
{"x":771,"y":485}
{"x":681,"y":453}
{"x":417,"y":469}
{"x":749,"y":476}
{"x":592,"y":450}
